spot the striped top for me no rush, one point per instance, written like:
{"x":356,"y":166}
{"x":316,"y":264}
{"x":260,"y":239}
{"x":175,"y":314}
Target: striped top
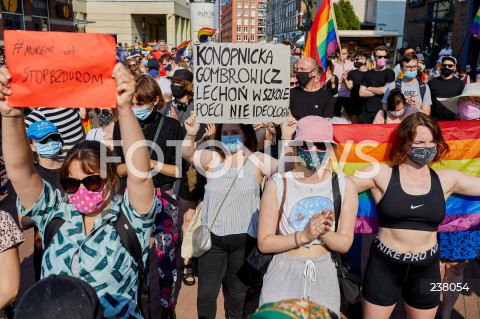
{"x":67,"y":121}
{"x":241,"y":203}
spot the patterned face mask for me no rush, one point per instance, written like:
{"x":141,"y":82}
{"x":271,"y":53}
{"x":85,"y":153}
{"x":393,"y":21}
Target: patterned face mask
{"x":422,"y":155}
{"x":312,"y":162}
{"x":85,"y":201}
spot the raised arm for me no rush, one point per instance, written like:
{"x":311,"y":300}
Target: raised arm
{"x":202,"y":157}
{"x":459,"y":183}
{"x":139,"y":184}
{"x":17,"y":154}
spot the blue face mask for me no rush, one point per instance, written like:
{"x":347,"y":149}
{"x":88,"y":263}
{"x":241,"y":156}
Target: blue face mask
{"x":141,"y":113}
{"x":168,"y":68}
{"x":49,"y":149}
{"x":422,"y":68}
{"x":233,"y":143}
{"x":410,"y":74}
{"x":312,"y":163}
{"x":145,"y":62}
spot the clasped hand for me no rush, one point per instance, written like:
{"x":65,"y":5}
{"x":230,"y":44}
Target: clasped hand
{"x":319,"y":225}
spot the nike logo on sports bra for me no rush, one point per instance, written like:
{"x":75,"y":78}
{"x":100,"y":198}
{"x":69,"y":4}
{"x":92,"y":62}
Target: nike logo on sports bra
{"x":413,"y":207}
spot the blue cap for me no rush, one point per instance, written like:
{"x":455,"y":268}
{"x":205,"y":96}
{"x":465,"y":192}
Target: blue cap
{"x":41,"y":129}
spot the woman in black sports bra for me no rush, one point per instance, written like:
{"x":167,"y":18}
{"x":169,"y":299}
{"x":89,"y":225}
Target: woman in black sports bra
{"x":410,"y":197}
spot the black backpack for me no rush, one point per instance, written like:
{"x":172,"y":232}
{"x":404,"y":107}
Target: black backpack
{"x":131,"y":243}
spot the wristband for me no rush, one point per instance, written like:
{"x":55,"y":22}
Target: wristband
{"x":296,"y":240}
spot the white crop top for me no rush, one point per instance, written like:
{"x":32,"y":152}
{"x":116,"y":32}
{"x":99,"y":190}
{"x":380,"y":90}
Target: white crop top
{"x":303,"y":201}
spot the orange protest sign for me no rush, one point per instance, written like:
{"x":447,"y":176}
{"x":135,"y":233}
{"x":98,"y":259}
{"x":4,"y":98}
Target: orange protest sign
{"x":60,"y":69}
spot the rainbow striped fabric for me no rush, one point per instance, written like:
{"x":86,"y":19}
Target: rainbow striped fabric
{"x":152,"y":43}
{"x":182,"y":47}
{"x":322,"y":39}
{"x":360,"y":144}
{"x":204,"y":34}
{"x":475,"y":28}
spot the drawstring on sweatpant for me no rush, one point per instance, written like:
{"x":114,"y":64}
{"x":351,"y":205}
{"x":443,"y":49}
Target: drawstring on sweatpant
{"x":310,"y":274}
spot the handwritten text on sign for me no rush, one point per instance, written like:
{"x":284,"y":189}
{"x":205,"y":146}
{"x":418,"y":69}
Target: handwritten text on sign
{"x":241,"y":83}
{"x":60,"y":69}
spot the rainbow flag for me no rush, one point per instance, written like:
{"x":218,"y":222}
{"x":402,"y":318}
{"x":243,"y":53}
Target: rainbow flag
{"x":360,"y":144}
{"x":204,"y":34}
{"x":322,"y":40}
{"x":152,"y":43}
{"x":182,"y":47}
{"x":475,"y":28}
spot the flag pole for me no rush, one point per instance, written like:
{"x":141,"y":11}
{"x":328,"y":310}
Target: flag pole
{"x":334,"y":23}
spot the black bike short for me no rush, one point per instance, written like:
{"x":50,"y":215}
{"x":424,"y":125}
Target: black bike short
{"x":390,"y":275}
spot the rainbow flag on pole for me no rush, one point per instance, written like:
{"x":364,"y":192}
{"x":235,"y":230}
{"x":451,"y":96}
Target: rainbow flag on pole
{"x":322,"y":40}
{"x":182,"y":47}
{"x":360,"y":144}
{"x":475,"y":28}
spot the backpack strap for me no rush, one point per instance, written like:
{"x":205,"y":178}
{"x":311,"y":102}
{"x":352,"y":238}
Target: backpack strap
{"x":398,"y":84}
{"x":423,"y":89}
{"x":337,"y":198}
{"x":384,"y":116}
{"x":280,"y":212}
{"x":131,"y":243}
{"x":50,"y":230}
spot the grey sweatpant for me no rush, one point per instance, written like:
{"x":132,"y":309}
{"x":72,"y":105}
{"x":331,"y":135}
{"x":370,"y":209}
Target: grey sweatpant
{"x":290,"y":277}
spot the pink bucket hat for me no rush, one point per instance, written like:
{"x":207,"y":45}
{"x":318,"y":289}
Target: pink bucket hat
{"x":314,"y":129}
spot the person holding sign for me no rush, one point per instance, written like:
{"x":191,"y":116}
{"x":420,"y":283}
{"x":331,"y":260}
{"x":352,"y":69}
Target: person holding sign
{"x":234,"y":173}
{"x":309,"y":98}
{"x":301,"y":232}
{"x":410,"y":198}
{"x":84,"y":245}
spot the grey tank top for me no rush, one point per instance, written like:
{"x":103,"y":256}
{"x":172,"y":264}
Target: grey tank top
{"x":240,"y":205}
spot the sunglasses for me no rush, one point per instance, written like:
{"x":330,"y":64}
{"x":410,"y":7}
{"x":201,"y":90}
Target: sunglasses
{"x":93,"y":183}
{"x":53,"y":137}
{"x":449,"y":66}
{"x":381,"y":57}
{"x":319,"y":145}
{"x":132,"y":65}
{"x":293,"y":83}
{"x":103,"y":111}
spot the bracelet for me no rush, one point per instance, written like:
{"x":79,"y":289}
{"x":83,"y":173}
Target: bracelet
{"x":19,"y":115}
{"x":192,"y":135}
{"x":296,"y":240}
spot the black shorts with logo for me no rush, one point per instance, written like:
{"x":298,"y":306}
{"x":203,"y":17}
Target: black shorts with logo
{"x":390,"y":275}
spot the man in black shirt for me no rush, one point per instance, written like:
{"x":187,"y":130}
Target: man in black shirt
{"x":353,"y":81}
{"x":374,"y":85}
{"x":443,"y":87}
{"x":309,"y":98}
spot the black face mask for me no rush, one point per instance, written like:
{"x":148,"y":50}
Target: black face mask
{"x":103,"y":119}
{"x":178,"y":91}
{"x":446,"y":71}
{"x":358,"y":65}
{"x":303,"y":78}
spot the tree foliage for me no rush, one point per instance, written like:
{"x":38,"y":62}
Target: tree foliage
{"x":345,"y":16}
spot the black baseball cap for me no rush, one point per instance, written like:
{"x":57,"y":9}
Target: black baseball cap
{"x":181,"y":75}
{"x":153,"y":64}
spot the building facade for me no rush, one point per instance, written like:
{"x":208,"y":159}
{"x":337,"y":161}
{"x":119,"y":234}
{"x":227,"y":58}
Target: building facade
{"x":136,"y":20}
{"x":243,"y":21}
{"x":36,"y":15}
{"x":284,"y":19}
{"x":439,"y":22}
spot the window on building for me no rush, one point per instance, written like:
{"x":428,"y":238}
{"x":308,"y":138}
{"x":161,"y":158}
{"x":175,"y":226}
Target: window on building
{"x":239,"y":37}
{"x":253,"y":30}
{"x":40,"y":24}
{"x":252,"y":5}
{"x":245,"y":37}
{"x":245,"y":13}
{"x":239,"y":13}
{"x":239,"y":21}
{"x":239,"y":4}
{"x":12,"y":21}
{"x":245,"y":21}
{"x":239,"y":29}
{"x":253,"y":21}
{"x":245,"y":4}
{"x":252,"y":13}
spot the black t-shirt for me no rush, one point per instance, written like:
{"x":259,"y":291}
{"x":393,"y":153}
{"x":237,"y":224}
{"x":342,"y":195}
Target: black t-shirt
{"x":50,"y":175}
{"x":171,"y":131}
{"x":377,"y":79}
{"x":441,"y":88}
{"x":304,"y":103}
{"x":356,"y":76}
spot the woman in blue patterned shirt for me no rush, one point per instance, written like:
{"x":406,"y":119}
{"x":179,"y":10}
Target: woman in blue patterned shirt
{"x":87,"y":245}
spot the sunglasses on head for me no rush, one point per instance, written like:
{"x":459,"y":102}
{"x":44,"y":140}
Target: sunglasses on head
{"x":103,"y":111}
{"x":381,"y":57}
{"x":93,"y":183}
{"x":53,"y":137}
{"x":319,"y":145}
{"x":449,"y":66}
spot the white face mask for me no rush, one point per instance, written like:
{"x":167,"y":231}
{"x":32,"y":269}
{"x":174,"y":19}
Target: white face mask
{"x":398,"y":113}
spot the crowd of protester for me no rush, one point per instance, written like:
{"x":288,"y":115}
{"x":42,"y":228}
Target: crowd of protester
{"x":76,"y":204}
